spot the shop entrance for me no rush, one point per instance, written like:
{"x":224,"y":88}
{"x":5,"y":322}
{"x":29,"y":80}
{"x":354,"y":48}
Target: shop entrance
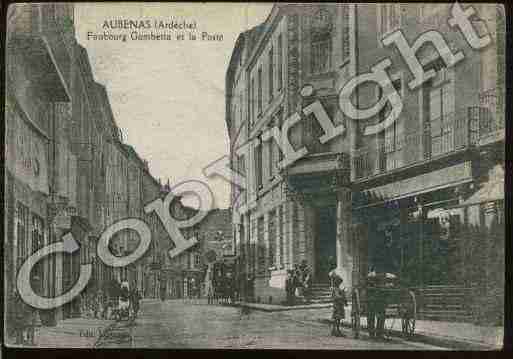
{"x":325,"y":242}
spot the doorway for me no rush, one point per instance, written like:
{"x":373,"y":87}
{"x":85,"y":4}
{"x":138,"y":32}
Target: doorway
{"x":325,"y":242}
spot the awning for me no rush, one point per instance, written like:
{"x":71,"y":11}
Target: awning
{"x":413,"y":186}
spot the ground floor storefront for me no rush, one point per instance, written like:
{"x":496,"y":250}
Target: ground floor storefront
{"x":441,"y":232}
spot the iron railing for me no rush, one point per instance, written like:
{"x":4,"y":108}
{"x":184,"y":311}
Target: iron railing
{"x":492,"y":116}
{"x":452,"y":132}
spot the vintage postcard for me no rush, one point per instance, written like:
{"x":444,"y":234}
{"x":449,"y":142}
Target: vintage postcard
{"x":254,"y":175}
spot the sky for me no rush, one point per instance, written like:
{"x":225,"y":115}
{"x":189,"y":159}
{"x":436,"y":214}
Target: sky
{"x":168,"y":97}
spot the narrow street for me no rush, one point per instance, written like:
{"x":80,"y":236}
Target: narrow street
{"x":175,"y":324}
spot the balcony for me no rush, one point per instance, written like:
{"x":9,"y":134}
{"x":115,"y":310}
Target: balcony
{"x":491,"y":124}
{"x":454,"y":133}
{"x":318,"y":172}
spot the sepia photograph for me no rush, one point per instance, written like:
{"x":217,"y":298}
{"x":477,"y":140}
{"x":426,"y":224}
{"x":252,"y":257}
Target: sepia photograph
{"x":254,"y":176}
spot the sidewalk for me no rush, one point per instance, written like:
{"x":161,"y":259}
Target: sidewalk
{"x":448,"y":334}
{"x":71,"y":333}
{"x":279,"y":308}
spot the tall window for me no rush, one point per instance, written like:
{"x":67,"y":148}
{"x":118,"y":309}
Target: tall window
{"x":272,"y":237}
{"x":390,"y":139}
{"x":271,"y":74}
{"x":260,"y":245}
{"x":275,"y":154}
{"x":253,"y":100}
{"x":321,"y":42}
{"x":271,"y":161}
{"x":241,"y":105}
{"x":281,"y":238}
{"x":250,"y":245}
{"x":441,"y":112}
{"x":389,"y":18}
{"x":241,"y":169}
{"x":242,"y":244}
{"x":234,"y":115}
{"x":259,"y":90}
{"x":22,"y":230}
{"x":278,"y":121}
{"x":280,"y":62}
{"x":258,"y":165}
{"x":312,"y":130}
{"x":37,"y":243}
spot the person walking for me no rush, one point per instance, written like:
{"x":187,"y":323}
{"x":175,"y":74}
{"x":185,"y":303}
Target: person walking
{"x":289,"y":287}
{"x":375,"y":304}
{"x":298,"y":285}
{"x":135,"y":297}
{"x":250,"y":288}
{"x":23,"y":321}
{"x":307,"y":285}
{"x":209,"y":287}
{"x":338,"y":294}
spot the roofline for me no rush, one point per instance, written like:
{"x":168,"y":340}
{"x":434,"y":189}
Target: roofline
{"x":268,"y":25}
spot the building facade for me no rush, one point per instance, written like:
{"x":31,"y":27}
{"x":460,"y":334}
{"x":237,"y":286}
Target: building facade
{"x":67,"y":167}
{"x":183,"y":275}
{"x":422,"y":199}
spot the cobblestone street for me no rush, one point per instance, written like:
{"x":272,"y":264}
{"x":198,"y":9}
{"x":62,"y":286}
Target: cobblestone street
{"x":175,"y":324}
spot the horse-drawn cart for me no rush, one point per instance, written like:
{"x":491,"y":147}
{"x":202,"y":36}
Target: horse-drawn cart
{"x":384,"y":298}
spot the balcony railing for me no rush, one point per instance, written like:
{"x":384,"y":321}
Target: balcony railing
{"x":451,"y":133}
{"x":492,"y":117}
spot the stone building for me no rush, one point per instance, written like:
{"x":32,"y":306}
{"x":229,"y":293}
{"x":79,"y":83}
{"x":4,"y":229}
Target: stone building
{"x":67,"y":168}
{"x":39,"y":58}
{"x":422,"y":199}
{"x":183,"y":275}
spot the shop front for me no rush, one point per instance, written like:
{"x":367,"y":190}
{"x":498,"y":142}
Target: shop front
{"x":440,"y":234}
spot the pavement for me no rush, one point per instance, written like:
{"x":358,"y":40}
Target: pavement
{"x":195,"y":324}
{"x":448,"y":334}
{"x":182,"y":324}
{"x":70,"y":333}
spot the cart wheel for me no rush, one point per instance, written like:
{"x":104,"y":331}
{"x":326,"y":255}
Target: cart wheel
{"x":408,"y":316}
{"x":355,"y":313}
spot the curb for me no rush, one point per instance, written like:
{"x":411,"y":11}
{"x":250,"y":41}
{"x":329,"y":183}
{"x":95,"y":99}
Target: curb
{"x":282,"y":309}
{"x":447,"y":342}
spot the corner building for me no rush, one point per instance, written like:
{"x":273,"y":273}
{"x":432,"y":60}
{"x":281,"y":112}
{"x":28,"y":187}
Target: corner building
{"x":422,"y":199}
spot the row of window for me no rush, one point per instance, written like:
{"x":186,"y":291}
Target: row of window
{"x":274,"y":72}
{"x":261,"y":255}
{"x":443,"y":129}
{"x":30,"y":237}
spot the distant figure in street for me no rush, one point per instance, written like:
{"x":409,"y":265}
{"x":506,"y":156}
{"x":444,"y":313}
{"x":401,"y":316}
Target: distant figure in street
{"x":23,"y":321}
{"x":297,"y":283}
{"x":303,"y":270}
{"x":289,"y":287}
{"x":124,"y":301}
{"x":192,"y":293}
{"x":307,"y":284}
{"x":209,"y":286}
{"x":135,"y":297}
{"x":375,"y":304}
{"x":250,"y":288}
{"x":162,"y":293}
{"x":338,"y":294}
